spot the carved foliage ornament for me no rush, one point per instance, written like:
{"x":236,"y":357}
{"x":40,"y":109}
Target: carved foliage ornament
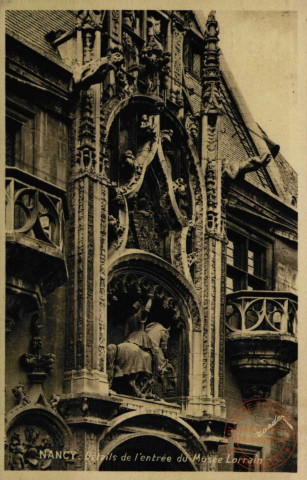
{"x":192,"y":126}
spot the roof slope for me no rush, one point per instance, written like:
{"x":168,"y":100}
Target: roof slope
{"x":31,"y":26}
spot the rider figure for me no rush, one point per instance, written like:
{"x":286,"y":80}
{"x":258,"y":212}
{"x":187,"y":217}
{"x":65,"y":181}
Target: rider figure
{"x":135,"y":331}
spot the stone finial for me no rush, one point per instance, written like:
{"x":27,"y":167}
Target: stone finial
{"x":211,"y":67}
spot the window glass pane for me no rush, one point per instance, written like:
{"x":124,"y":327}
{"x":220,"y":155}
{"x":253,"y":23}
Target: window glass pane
{"x":229,"y":285}
{"x":230,"y":253}
{"x":251,"y":262}
{"x":246,"y":262}
{"x":196,"y":64}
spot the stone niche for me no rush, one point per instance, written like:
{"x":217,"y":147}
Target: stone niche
{"x":138,"y":302}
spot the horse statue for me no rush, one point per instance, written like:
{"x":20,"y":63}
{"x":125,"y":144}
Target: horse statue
{"x":138,"y":364}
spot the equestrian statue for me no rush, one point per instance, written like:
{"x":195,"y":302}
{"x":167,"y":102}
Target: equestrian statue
{"x":138,"y":365}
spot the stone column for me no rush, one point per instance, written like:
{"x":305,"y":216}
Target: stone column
{"x":85,"y":363}
{"x":215,"y":231}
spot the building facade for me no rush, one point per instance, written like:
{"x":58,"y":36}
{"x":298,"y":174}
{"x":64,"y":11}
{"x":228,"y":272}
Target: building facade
{"x":151,"y":235}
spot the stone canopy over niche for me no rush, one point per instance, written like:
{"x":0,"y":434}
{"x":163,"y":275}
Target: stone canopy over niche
{"x":139,"y":302}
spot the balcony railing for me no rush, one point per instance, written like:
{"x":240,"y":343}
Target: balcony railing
{"x":261,"y":339}
{"x":35,"y":215}
{"x":261,"y":311}
{"x":35,"y":208}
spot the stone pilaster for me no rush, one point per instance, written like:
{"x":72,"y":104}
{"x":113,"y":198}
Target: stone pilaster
{"x":215,"y":233}
{"x":85,"y":367}
{"x":176,"y":74}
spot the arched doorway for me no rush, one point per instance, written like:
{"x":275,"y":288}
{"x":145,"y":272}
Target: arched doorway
{"x":147,"y":453}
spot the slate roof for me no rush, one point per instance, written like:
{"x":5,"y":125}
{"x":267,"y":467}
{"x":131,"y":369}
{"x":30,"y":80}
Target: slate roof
{"x":31,"y":26}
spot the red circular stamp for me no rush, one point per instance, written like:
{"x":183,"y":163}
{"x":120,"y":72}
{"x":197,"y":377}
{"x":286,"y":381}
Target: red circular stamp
{"x":262,"y":435}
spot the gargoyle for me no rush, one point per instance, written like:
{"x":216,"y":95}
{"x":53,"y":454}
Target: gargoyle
{"x":234,"y":170}
{"x":96,"y":71}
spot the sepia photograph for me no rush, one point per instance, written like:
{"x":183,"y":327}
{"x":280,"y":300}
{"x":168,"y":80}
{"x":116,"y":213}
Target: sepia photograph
{"x":151,"y":230}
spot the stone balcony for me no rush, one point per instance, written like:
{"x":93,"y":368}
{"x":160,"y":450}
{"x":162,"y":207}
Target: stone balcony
{"x":35,"y":215}
{"x":261,"y":338}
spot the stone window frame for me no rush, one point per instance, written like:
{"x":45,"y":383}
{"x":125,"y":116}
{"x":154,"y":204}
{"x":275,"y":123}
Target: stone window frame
{"x":242,"y":272}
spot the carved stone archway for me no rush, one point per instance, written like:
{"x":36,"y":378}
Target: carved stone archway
{"x":147,"y":438}
{"x":147,"y":453}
